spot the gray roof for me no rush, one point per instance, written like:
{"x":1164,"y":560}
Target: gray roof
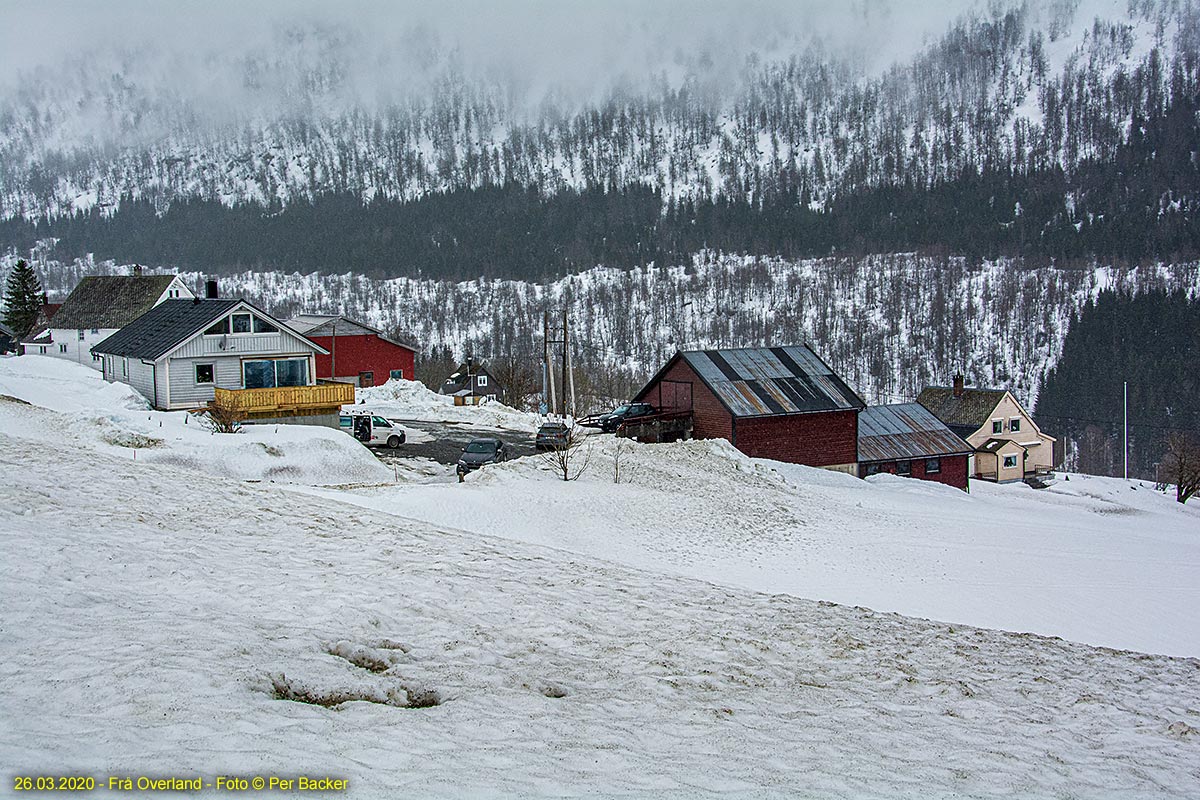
{"x":904,"y":431}
{"x":110,"y":301}
{"x":964,"y":414}
{"x":7,"y":331}
{"x":995,"y":445}
{"x":767,"y":381}
{"x":164,"y":327}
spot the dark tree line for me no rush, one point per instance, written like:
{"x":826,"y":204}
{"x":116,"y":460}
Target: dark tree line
{"x":1144,"y":201}
{"x":1151,"y":340}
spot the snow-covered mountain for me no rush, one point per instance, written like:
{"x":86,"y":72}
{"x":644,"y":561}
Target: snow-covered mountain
{"x":1027,"y":84}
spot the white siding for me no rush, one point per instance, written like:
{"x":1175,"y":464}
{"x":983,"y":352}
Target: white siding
{"x":186,"y":393}
{"x":281,"y":343}
{"x":78,"y":350}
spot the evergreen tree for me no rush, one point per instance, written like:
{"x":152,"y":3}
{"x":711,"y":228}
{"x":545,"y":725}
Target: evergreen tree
{"x":22,"y":299}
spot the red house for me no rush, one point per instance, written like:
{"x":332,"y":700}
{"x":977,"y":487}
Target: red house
{"x":907,"y":439}
{"x":358,"y":353}
{"x":782,"y":403}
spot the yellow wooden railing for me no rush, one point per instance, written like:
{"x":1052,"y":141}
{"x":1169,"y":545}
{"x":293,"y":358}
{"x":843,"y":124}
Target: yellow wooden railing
{"x":284,"y":398}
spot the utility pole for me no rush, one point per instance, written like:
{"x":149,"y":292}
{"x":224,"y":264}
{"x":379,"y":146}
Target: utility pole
{"x":1126,"y":447}
{"x":564,"y":362}
{"x":548,"y":370}
{"x":546,"y":402}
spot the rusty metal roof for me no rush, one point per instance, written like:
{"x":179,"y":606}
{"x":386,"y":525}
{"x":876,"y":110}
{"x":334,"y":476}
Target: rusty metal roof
{"x":768,"y":381}
{"x":904,"y":431}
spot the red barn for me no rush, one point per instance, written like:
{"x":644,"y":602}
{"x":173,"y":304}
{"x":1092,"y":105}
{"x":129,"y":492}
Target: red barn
{"x":782,"y":403}
{"x":907,"y":439}
{"x":358,"y":353}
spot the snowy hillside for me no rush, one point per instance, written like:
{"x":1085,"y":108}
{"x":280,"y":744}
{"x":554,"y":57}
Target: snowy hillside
{"x":302,"y":110}
{"x":261,"y":632}
{"x":891,"y":324}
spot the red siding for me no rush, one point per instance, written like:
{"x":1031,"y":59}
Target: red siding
{"x":710,"y":420}
{"x":819,"y":439}
{"x":954,"y":471}
{"x":363,"y":353}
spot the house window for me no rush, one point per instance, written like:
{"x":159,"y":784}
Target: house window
{"x":43,"y":349}
{"x":241,"y":323}
{"x":904,"y":468}
{"x":205,"y":373}
{"x":872,"y":469}
{"x":266,"y":374}
{"x":95,"y":356}
{"x":62,"y":348}
{"x":220,"y":329}
{"x":481,"y":380}
{"x":95,"y":332}
{"x":1010,"y":462}
{"x":933,"y":466}
{"x":997,"y":426}
{"x":396,"y":374}
{"x":124,"y":367}
{"x":1015,"y":424}
{"x":81,"y":334}
{"x":262,"y":326}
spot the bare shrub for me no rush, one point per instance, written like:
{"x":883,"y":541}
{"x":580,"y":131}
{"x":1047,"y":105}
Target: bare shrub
{"x":221,"y":419}
{"x":1180,"y":465}
{"x":570,"y":457}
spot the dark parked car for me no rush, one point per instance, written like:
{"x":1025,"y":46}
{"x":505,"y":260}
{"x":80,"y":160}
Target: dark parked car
{"x":479,"y":452}
{"x":613,"y":419}
{"x":551,"y":436}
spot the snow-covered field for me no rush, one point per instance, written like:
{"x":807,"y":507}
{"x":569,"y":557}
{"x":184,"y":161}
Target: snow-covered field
{"x":152,"y":618}
{"x":1091,"y":559}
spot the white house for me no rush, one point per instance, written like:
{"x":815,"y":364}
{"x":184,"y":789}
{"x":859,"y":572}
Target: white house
{"x":180,"y":351}
{"x":99,"y":306}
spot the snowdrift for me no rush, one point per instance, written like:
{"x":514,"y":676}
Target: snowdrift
{"x":412,"y":400}
{"x":114,"y":418}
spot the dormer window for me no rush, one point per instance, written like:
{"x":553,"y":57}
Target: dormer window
{"x":241,"y":323}
{"x":220,"y":329}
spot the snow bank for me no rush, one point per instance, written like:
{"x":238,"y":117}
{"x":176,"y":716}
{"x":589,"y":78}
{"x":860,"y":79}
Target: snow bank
{"x":412,"y":400}
{"x":114,"y":418}
{"x":1095,"y":560}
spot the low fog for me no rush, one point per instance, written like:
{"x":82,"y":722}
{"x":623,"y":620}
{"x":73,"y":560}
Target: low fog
{"x":216,"y":53}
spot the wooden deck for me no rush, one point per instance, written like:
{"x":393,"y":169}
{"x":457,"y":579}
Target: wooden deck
{"x":323,"y":398}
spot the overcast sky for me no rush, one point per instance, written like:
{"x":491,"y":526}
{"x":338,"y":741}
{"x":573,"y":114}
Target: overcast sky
{"x":567,"y":42}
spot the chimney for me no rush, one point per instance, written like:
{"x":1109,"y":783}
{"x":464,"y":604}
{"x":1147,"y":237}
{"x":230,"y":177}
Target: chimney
{"x":136,"y":270}
{"x":210,"y":290}
{"x":958,"y":385}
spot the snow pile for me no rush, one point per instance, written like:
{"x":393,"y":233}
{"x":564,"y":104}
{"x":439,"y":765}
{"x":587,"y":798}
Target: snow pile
{"x":412,"y":400}
{"x":244,"y":635}
{"x":63,"y":386}
{"x":1094,"y":560}
{"x":114,"y":418}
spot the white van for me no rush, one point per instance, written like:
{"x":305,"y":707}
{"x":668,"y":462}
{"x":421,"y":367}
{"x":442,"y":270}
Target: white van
{"x":372,"y":429}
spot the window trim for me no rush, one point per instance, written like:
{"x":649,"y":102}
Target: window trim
{"x":1013,"y":465}
{"x":62,"y":348}
{"x":196,"y":374}
{"x":302,"y":359}
{"x":933,"y":466}
{"x":997,"y":426}
{"x":481,"y":380}
{"x":904,"y":467}
{"x":1014,"y":425}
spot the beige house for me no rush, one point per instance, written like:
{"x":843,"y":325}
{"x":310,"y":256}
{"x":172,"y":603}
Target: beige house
{"x":1008,"y":445}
